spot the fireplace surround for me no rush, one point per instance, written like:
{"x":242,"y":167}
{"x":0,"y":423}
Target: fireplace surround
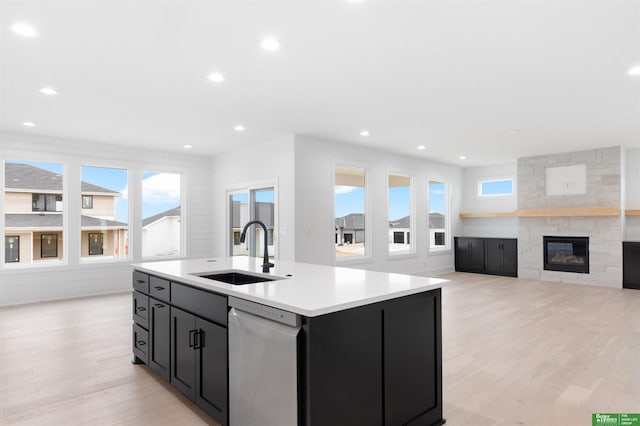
{"x":566,"y":254}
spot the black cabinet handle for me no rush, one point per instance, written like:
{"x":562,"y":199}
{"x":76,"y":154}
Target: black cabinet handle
{"x":192,"y":334}
{"x":140,"y":281}
{"x":158,"y":305}
{"x":141,"y":308}
{"x":198,"y":340}
{"x":141,"y":343}
{"x":159,"y":288}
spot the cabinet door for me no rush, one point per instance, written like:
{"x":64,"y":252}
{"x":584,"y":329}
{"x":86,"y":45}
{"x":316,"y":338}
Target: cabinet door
{"x":510,"y":257}
{"x":211,"y":369}
{"x":631,"y":265}
{"x":183,"y":355}
{"x":412,"y":360}
{"x":493,"y":256}
{"x":476,"y":255}
{"x":141,"y":309}
{"x":159,"y":337}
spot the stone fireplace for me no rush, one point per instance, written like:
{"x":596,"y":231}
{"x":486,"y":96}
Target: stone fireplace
{"x":594,"y":214}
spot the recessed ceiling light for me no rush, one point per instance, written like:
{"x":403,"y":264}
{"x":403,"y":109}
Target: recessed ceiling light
{"x":48,"y":91}
{"x":270,"y":44}
{"x":365,"y":133}
{"x":462,"y":157}
{"x":421,"y":147}
{"x":635,"y":70}
{"x":216,"y":77}
{"x":28,"y":124}
{"x":239,"y":128}
{"x":515,"y":131}
{"x":24,"y":29}
{"x":188,"y":146}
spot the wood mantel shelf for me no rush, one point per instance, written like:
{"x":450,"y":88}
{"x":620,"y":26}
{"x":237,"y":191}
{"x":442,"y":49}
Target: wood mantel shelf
{"x":559,"y":212}
{"x":490,"y":214}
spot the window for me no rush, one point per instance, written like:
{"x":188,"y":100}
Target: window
{"x":161,"y":214}
{"x":105,"y":212}
{"x":247,"y":205}
{"x":491,"y":188}
{"x":350,"y":206}
{"x":33,"y":212}
{"x":438,"y":211}
{"x":46,"y":202}
{"x":96,"y":244}
{"x":12,"y":248}
{"x":48,"y":245}
{"x":399,"y":199}
{"x":87,"y":201}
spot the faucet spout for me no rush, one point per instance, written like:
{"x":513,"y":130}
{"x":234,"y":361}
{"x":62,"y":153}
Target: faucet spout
{"x":265,"y":263}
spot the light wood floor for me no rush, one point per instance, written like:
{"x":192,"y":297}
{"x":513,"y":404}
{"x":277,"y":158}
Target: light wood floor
{"x":516,"y":352}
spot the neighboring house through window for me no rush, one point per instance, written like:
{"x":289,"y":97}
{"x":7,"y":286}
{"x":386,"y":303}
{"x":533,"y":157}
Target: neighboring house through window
{"x":48,"y":245}
{"x":96,"y":244}
{"x":249,"y":204}
{"x":350,"y":206}
{"x":161,"y":214}
{"x":12,"y":248}
{"x":438,"y":211}
{"x":399,"y":214}
{"x":87,"y":201}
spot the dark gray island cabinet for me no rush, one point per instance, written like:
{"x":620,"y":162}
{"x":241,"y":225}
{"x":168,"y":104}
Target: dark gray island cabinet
{"x":374,"y":364}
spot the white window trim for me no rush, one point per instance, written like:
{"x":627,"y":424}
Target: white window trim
{"x":368,"y":206}
{"x":411,"y":252}
{"x":447,"y":216}
{"x":496,"y":179}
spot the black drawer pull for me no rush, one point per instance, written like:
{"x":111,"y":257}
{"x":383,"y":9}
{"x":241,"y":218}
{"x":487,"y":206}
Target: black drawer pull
{"x":159,"y":288}
{"x":192,"y":334}
{"x":199,"y":340}
{"x":141,"y":308}
{"x":141,"y":343}
{"x":140,"y":281}
{"x":158,"y":305}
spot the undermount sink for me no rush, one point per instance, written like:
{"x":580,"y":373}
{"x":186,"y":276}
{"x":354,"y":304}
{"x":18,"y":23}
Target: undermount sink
{"x":236,"y":278}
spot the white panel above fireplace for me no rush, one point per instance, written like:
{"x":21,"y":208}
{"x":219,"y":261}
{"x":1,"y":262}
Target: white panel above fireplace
{"x":565,"y":180}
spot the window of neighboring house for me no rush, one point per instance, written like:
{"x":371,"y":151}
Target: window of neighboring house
{"x":46,"y":202}
{"x":350,"y":212}
{"x":48,"y":245}
{"x":399,"y":213}
{"x":246,"y":205}
{"x":96,"y":244}
{"x":12,"y":248}
{"x":33,"y":211}
{"x":105,"y":213}
{"x":492,"y":188}
{"x":438,"y":215}
{"x":161,"y":214}
{"x":87,"y":201}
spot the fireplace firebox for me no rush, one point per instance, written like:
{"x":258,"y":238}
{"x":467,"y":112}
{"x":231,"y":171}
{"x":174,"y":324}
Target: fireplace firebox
{"x":566,"y":254}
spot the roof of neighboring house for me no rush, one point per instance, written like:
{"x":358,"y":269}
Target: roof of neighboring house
{"x":264,"y":213}
{"x":27,"y":177}
{"x":156,"y":217}
{"x":436,"y":220}
{"x":54,"y":220}
{"x":351,"y":221}
{"x":403,"y":222}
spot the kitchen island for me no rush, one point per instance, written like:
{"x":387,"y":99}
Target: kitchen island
{"x":362,"y":347}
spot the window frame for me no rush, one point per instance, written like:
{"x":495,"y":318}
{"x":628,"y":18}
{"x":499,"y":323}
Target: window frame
{"x":447,"y":216}
{"x":495,"y":180}
{"x":368,"y":209}
{"x":412,"y":247}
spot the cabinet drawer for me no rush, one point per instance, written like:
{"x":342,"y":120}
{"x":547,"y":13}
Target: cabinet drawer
{"x":141,"y":309}
{"x":159,"y":289}
{"x":141,"y":282}
{"x":202,"y":303}
{"x":141,"y":343}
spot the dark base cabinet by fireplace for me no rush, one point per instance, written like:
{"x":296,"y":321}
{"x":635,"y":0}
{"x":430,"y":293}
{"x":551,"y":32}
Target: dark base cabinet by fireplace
{"x":495,"y":256}
{"x":631,"y":264}
{"x":377,"y":364}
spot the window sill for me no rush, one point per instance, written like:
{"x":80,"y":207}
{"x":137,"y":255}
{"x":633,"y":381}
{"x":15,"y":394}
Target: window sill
{"x":401,"y":256}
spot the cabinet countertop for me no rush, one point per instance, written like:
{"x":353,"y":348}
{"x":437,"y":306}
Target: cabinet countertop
{"x":303,"y":288}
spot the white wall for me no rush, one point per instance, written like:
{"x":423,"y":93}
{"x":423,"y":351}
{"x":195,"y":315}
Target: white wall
{"x":314,"y":195}
{"x":501,"y":227}
{"x":632,"y":193}
{"x":268,"y":162}
{"x":75,"y":279}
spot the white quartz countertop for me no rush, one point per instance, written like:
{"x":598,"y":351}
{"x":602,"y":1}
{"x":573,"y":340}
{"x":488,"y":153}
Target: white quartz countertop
{"x":305,"y":288}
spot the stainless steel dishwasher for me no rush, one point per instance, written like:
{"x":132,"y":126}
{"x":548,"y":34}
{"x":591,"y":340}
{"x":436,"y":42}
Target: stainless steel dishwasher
{"x":263,"y":367}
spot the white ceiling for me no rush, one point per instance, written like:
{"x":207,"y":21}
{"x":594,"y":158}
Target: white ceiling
{"x":492,"y":80}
